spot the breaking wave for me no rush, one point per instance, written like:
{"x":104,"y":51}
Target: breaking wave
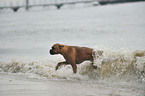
{"x":117,"y":65}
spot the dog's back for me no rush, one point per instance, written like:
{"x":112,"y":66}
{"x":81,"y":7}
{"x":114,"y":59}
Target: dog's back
{"x":82,"y":54}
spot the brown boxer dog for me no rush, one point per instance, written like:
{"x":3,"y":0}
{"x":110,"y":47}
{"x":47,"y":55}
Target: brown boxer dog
{"x":73,"y":55}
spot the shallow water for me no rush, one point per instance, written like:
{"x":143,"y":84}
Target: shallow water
{"x":118,"y":30}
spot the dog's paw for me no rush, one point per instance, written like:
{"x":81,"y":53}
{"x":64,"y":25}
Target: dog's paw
{"x":56,"y":68}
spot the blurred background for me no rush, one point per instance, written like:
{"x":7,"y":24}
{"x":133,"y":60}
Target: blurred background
{"x":15,"y":5}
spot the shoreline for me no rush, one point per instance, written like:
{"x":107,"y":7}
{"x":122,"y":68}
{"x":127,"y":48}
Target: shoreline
{"x":13,"y":85}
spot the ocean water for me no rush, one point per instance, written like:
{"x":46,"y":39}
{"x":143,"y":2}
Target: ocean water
{"x":118,"y":30}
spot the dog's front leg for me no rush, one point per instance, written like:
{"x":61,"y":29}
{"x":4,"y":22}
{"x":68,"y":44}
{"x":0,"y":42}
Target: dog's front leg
{"x":61,"y":63}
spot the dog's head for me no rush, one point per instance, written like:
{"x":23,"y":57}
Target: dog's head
{"x":56,"y":49}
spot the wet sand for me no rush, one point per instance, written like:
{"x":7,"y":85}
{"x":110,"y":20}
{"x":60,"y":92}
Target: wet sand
{"x":12,"y":85}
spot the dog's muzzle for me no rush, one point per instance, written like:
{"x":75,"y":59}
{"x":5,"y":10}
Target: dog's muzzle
{"x":52,"y":52}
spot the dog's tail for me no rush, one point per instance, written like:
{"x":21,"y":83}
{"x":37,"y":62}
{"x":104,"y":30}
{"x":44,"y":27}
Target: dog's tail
{"x":97,"y":53}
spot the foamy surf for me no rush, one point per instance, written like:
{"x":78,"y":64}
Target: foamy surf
{"x":124,"y":65}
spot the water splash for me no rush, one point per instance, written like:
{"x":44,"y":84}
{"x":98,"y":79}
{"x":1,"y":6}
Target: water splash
{"x":118,"y":65}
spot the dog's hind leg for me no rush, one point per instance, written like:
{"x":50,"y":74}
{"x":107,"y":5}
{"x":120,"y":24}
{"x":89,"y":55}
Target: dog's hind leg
{"x":74,"y":66}
{"x":95,"y":67}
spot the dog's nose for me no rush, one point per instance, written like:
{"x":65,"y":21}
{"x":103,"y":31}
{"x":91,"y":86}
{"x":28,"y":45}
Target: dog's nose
{"x":51,"y":52}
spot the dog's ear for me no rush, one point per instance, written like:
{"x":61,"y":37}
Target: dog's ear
{"x":61,"y":46}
